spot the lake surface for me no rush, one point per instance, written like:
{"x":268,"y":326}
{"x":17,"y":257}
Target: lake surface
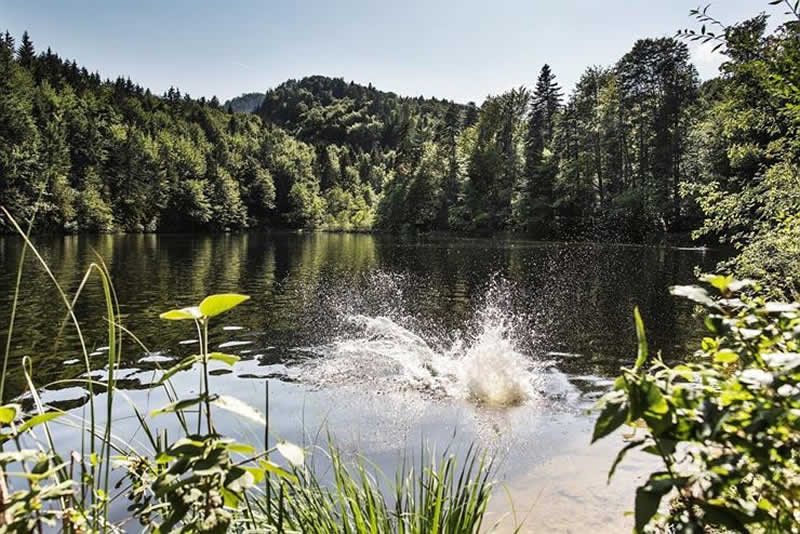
{"x":393,"y":346}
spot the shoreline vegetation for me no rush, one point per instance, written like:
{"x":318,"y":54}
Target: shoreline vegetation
{"x":639,"y":148}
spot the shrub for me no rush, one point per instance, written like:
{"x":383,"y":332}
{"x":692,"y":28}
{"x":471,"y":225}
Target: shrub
{"x":725,"y":425}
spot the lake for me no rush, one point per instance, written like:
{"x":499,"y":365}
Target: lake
{"x":393,"y":346}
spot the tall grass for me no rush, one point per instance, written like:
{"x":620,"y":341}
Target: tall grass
{"x":440,"y":496}
{"x":200,"y":481}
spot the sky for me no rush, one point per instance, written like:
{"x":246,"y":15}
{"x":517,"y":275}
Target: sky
{"x":460,"y":50}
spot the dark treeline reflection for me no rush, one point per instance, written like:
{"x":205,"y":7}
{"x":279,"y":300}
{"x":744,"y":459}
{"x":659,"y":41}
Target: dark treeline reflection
{"x":560,"y":298}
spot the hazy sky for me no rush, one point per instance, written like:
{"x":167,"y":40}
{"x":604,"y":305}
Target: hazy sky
{"x":461,"y":50}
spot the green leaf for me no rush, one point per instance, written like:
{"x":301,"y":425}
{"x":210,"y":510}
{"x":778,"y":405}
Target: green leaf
{"x":216,"y":304}
{"x":182,"y":314}
{"x":720,"y":516}
{"x":720,"y":282}
{"x":641,"y":357}
{"x":232,"y":404}
{"x":293,"y":454}
{"x":230,"y":499}
{"x":8,"y":413}
{"x":258,"y":474}
{"x":179,"y":405}
{"x":695,"y":294}
{"x":620,"y":455}
{"x":38,"y":420}
{"x":725,"y":356}
{"x":239,"y":479}
{"x":611,"y":418}
{"x":648,"y":498}
{"x":270,"y":467}
{"x":182,"y":365}
{"x":656,"y":409}
{"x":241,"y":448}
{"x":229,"y":359}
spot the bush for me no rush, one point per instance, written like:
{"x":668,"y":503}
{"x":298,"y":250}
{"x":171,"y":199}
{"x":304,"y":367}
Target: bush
{"x":726,"y":425}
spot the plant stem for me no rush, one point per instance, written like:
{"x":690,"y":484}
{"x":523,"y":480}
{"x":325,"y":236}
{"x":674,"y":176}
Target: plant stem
{"x":205,"y":375}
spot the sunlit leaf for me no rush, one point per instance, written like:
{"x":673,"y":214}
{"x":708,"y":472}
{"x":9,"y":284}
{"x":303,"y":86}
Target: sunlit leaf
{"x":641,"y":357}
{"x":275,"y":469}
{"x":38,"y":420}
{"x":241,"y":448}
{"x":725,"y":356}
{"x":179,"y":405}
{"x":232,"y":404}
{"x":229,"y":359}
{"x":182,"y":314}
{"x":216,"y":304}
{"x":258,"y":474}
{"x":693,"y":293}
{"x":182,"y":365}
{"x":8,"y":413}
{"x":293,"y":454}
{"x":239,"y":479}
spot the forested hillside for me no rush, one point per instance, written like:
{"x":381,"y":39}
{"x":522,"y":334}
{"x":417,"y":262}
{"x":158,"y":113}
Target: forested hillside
{"x":246,"y":103}
{"x":636,"y":149}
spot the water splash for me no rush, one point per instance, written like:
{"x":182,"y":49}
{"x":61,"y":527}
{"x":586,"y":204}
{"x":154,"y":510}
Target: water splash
{"x":386,"y":354}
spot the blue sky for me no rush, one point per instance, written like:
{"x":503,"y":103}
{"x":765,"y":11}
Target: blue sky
{"x":461,"y":50}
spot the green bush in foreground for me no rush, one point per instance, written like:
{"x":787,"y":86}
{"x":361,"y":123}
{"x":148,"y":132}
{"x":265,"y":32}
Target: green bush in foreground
{"x":726,"y":425}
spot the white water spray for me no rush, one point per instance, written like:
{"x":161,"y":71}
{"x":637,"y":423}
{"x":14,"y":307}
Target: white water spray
{"x":384,"y":356}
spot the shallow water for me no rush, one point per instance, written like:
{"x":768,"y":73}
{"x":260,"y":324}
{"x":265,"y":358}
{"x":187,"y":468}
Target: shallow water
{"x":386,"y":343}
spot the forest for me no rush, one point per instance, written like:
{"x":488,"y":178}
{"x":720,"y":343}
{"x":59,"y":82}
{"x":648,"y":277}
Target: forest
{"x":634,"y":152}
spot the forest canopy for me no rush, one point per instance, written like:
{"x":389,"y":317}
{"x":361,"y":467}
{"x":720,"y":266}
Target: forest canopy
{"x":634,"y":151}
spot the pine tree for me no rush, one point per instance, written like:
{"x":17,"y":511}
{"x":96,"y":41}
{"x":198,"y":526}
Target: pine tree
{"x":7,"y":40}
{"x":26,"y":52}
{"x":547,"y":99}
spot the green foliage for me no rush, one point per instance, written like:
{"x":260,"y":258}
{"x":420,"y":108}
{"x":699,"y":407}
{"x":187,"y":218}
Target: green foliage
{"x":725,"y":425}
{"x":747,"y":150}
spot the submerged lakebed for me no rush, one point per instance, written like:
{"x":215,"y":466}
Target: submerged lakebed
{"x":390,"y":345}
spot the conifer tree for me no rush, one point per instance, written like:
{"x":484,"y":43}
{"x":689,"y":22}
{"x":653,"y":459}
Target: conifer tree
{"x":26,"y":52}
{"x":547,"y":99}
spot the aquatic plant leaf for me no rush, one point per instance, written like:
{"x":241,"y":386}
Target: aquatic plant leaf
{"x":641,"y":357}
{"x":232,"y":404}
{"x":183,"y":314}
{"x":38,"y":420}
{"x":293,"y":454}
{"x":271,"y":467}
{"x":179,"y":405}
{"x":182,"y":365}
{"x":216,"y":304}
{"x":8,"y":413}
{"x":229,"y":359}
{"x":241,"y":448}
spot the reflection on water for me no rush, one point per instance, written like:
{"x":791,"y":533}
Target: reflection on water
{"x":387,"y":342}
